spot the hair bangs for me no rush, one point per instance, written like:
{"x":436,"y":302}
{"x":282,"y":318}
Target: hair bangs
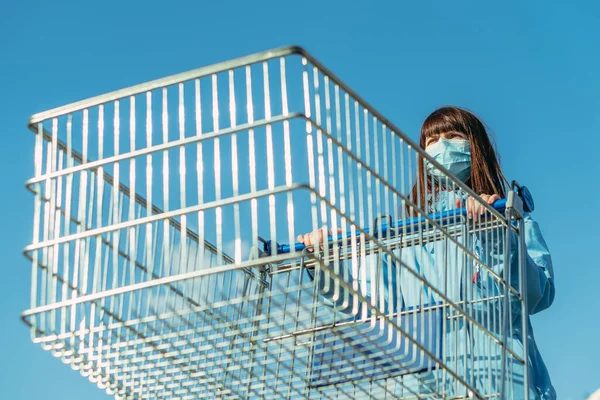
{"x":443,"y":120}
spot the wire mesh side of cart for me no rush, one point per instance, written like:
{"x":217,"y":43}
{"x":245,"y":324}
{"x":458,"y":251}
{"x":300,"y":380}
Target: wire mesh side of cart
{"x":84,"y":317}
{"x":141,"y":195}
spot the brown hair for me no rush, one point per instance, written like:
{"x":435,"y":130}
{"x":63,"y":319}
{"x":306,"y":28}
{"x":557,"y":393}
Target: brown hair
{"x":486,"y":176}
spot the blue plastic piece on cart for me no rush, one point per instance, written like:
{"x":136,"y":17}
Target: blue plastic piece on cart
{"x":525,"y":194}
{"x":443,"y":218}
{"x":364,"y":350}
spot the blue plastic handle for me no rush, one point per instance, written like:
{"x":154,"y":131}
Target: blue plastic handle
{"x":445,"y":217}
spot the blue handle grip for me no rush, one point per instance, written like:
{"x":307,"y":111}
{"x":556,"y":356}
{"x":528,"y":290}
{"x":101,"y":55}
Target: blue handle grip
{"x":446,"y":217}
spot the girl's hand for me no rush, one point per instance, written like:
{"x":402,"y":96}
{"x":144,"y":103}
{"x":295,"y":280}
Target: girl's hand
{"x":474,"y":209}
{"x":315,"y":237}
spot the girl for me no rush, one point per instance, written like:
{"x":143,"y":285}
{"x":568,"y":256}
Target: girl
{"x":457,"y":139}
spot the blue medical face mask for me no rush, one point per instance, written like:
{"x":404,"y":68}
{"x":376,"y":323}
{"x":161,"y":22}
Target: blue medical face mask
{"x":453,"y":154}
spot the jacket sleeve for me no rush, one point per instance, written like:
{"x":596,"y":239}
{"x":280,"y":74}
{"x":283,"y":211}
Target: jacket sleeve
{"x":540,"y":273}
{"x":538,"y":264}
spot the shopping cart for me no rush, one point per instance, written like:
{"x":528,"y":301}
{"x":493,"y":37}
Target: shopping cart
{"x":158,"y":269}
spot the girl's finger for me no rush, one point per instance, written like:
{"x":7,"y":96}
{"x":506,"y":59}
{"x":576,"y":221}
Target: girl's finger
{"x":307,"y":241}
{"x":315,"y":238}
{"x":324,"y":233}
{"x":322,"y":236}
{"x":470,"y":207}
{"x":486,"y":198}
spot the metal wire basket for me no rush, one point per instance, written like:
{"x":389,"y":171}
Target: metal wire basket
{"x":150,"y":276}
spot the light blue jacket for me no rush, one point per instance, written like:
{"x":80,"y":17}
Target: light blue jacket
{"x":431,"y":261}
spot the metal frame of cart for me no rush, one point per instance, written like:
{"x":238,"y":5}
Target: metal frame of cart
{"x":150,"y":276}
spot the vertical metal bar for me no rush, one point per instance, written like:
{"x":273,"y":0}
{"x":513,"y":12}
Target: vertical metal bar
{"x":45,"y":233}
{"x":287,"y":151}
{"x":96,"y":284}
{"x":524,"y":302}
{"x":374,"y":271}
{"x":322,"y":187}
{"x":506,"y":277}
{"x":183,"y":251}
{"x":398,"y":213}
{"x":309,"y":142}
{"x":445,"y":309}
{"x":234,"y":170}
{"x":251,"y":156}
{"x":489,"y":282}
{"x":217,"y":168}
{"x":361,"y":206}
{"x":115,"y":195}
{"x":117,"y":303}
{"x":332,"y":193}
{"x":330,"y":167}
{"x":50,"y":226}
{"x":342,"y":194}
{"x":351,"y":192}
{"x":270,"y":154}
{"x":57,"y":194}
{"x":228,"y":377}
{"x":199,"y":170}
{"x":147,"y":257}
{"x":80,"y":245}
{"x":67,"y":225}
{"x":132,"y":232}
{"x":165,"y":264}
{"x":386,"y":183}
{"x":217,"y":181}
{"x":114,"y":217}
{"x":282,"y":326}
{"x":88,"y":242}
{"x":37,"y":219}
{"x":297,"y":322}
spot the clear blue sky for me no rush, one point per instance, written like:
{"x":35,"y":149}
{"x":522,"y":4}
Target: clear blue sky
{"x":529,"y":69}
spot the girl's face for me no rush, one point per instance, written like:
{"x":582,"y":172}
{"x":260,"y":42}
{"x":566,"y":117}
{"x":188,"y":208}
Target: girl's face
{"x":446,"y":135}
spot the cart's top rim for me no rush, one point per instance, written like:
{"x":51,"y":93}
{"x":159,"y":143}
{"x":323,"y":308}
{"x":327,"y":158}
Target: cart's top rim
{"x":236,"y":63}
{"x":169,"y":80}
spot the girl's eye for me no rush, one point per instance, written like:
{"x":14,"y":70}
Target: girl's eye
{"x":431,"y":141}
{"x":456,"y":135}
